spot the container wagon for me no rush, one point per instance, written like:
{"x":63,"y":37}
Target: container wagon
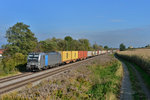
{"x":89,"y":54}
{"x":74,"y":56}
{"x":97,"y":52}
{"x":93,"y":53}
{"x":103,"y":51}
{"x":100,"y":52}
{"x":84,"y":54}
{"x":66,"y":56}
{"x":80,"y":55}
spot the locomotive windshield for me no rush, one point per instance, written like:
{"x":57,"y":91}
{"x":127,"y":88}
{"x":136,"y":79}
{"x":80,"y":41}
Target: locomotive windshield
{"x":33,"y":57}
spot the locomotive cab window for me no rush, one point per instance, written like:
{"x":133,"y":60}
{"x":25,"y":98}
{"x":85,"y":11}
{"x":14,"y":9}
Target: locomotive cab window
{"x":33,"y":57}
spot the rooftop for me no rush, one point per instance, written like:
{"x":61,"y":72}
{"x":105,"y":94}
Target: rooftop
{"x":1,"y":51}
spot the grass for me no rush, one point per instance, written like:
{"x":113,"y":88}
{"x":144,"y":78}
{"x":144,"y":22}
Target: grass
{"x":106,"y":82}
{"x":145,"y":76}
{"x":3,"y":74}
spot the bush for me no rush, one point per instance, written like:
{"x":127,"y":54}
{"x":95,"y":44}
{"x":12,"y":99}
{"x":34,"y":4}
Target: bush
{"x":19,"y":59}
{"x":10,"y":63}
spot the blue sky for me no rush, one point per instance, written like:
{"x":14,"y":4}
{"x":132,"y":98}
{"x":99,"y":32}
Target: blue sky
{"x":106,"y":22}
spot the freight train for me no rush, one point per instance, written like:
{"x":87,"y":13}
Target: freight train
{"x":40,"y":61}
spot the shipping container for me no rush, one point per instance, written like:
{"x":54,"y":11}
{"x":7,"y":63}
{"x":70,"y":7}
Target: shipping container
{"x":74,"y":55}
{"x":104,"y":51}
{"x":100,"y":52}
{"x":66,"y":56}
{"x":80,"y":55}
{"x":93,"y":53}
{"x":85,"y":54}
{"x":97,"y":52}
{"x":89,"y":53}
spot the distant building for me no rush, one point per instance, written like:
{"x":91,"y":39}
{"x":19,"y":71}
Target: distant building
{"x":130,"y":47}
{"x":1,"y":52}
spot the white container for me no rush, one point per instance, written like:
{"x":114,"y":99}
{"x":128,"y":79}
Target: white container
{"x":89,"y":53}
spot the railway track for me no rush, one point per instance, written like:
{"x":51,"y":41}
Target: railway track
{"x":2,"y":80}
{"x":47,"y":73}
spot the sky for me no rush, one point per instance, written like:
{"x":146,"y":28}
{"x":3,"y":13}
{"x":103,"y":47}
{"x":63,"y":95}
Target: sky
{"x":105,"y":22}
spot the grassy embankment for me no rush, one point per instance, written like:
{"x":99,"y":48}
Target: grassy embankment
{"x":107,"y":81}
{"x":91,"y":82}
{"x":140,"y":58}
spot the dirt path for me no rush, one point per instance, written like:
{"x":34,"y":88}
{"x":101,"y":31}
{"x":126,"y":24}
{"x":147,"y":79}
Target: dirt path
{"x":126,"y":90}
{"x":141,"y":83}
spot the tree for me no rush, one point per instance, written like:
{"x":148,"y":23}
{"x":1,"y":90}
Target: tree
{"x":122,"y":47}
{"x":47,"y":45}
{"x":68,"y":43}
{"x":20,"y":39}
{"x":147,"y":46}
{"x":106,"y":47}
{"x":95,"y":46}
{"x":68,"y":38}
{"x":101,"y":47}
{"x":61,"y":45}
{"x":75,"y":45}
{"x":84,"y":44}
